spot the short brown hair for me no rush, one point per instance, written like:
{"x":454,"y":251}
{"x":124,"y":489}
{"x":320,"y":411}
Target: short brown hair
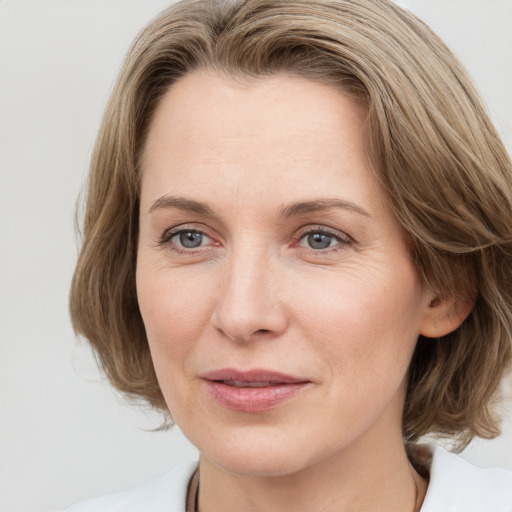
{"x":439,"y":160}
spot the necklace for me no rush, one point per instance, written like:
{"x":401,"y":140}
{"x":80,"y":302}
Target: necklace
{"x":193,"y":493}
{"x":416,"y":495}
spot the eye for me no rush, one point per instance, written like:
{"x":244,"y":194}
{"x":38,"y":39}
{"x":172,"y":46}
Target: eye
{"x":187,"y":238}
{"x":320,"y":239}
{"x":190,"y":239}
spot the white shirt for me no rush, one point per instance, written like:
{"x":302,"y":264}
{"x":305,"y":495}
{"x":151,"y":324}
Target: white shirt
{"x":455,"y":486}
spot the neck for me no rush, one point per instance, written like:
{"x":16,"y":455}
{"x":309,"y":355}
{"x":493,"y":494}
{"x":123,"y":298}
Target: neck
{"x":381,"y":479}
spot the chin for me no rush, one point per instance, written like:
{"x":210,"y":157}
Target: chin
{"x":258,"y":464}
{"x":261,"y":454}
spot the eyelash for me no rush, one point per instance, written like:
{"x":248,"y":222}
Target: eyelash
{"x":342,"y":239}
{"x":168,"y":235}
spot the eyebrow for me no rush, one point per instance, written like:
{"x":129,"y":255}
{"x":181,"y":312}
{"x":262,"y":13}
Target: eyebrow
{"x":180,"y":203}
{"x":291,"y":210}
{"x":304,"y":207}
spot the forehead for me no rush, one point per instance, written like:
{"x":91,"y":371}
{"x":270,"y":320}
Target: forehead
{"x":267,"y":133}
{"x":203,"y":106}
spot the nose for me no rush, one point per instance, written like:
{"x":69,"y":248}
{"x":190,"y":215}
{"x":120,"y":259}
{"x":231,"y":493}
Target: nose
{"x":250,"y":304}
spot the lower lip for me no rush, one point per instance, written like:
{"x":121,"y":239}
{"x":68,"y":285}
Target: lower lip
{"x":247,"y":399}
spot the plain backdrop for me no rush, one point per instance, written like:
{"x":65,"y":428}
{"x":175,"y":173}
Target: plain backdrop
{"x":64,"y":434}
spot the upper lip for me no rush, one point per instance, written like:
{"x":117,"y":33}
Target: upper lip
{"x":253,"y":375}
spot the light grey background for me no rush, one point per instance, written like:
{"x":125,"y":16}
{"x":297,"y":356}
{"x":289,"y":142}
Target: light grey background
{"x":64,"y":435}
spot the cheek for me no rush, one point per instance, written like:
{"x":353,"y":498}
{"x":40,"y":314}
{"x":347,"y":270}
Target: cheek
{"x":175,"y":309}
{"x":367,"y":325}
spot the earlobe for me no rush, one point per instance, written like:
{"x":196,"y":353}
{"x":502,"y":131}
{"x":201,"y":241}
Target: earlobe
{"x":445,"y":314}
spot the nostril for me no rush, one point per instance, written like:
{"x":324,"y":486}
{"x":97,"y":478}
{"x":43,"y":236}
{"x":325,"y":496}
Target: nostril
{"x":247,"y":319}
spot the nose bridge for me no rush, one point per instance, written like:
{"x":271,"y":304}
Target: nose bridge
{"x":248,"y":302}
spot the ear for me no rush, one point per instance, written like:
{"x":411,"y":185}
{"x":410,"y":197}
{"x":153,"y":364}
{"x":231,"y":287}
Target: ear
{"x":444,"y":314}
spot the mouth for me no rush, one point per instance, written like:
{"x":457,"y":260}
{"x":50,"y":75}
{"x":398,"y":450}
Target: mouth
{"x":254,"y":390}
{"x":244,"y":384}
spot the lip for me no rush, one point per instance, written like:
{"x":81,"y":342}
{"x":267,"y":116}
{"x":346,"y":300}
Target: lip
{"x":255,"y":390}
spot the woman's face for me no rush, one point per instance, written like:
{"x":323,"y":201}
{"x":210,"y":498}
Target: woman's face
{"x":280,"y":302}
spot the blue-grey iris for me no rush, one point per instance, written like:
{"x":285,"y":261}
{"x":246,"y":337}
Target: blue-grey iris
{"x":319,"y":241}
{"x":191,"y":239}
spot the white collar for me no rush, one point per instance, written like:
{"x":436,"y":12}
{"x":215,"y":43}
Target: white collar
{"x":458,"y":486}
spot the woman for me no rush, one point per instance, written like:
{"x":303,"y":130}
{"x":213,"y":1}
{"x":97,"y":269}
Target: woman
{"x":296,"y":246}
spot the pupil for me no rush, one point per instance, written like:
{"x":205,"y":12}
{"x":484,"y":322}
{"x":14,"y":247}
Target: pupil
{"x":190,"y":239}
{"x":319,"y":241}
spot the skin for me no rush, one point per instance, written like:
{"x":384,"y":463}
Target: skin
{"x":256,"y":294}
